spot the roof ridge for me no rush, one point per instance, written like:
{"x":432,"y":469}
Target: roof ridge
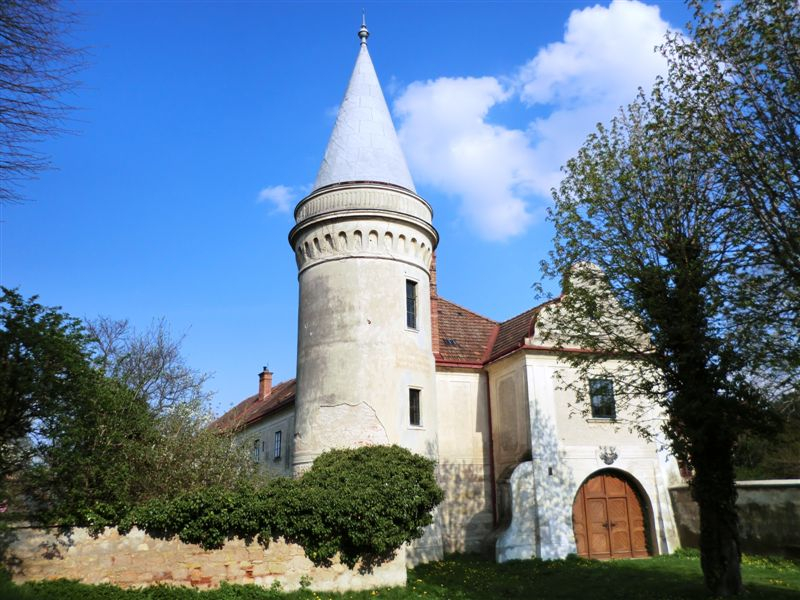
{"x":537,"y":307}
{"x":472,"y":312}
{"x":243,"y":403}
{"x":280,"y":383}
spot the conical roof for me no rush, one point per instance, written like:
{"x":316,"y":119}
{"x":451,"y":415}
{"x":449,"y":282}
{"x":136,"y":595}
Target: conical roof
{"x":364,"y":145}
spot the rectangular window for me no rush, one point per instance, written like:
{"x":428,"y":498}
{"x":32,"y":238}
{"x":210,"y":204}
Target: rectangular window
{"x":278,"y":436}
{"x":411,"y":304}
{"x":601,"y":394}
{"x":257,"y":451}
{"x":413,"y":408}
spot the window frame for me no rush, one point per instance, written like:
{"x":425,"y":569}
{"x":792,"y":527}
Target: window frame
{"x":412,"y":304}
{"x":257,"y":450}
{"x":605,"y":409}
{"x":278,"y":445}
{"x":414,"y":407}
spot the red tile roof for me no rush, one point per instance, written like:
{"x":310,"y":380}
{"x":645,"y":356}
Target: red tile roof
{"x":464,"y":335}
{"x":251,"y":410}
{"x":513,"y":332}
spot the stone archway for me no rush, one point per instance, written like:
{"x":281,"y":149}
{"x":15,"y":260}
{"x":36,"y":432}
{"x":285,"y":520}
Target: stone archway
{"x":609,"y":517}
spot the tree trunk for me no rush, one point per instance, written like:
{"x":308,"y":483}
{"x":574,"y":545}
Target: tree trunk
{"x":720,"y":554}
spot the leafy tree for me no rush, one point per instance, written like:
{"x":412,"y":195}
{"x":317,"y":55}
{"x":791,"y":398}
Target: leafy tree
{"x":740,"y":71}
{"x":44,"y":370}
{"x":773,"y":457}
{"x":741,"y":65}
{"x":151,"y":366}
{"x":656,"y":252}
{"x":371,"y":500}
{"x":87,"y":434}
{"x":688,"y":202}
{"x":96,"y":459}
{"x":36,"y":69}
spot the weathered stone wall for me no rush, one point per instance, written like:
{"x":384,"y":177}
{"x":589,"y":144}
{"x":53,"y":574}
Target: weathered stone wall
{"x":136,"y":560}
{"x":769,"y":516}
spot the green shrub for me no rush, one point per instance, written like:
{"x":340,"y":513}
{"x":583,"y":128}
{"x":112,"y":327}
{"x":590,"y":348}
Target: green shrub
{"x":361,"y":503}
{"x":372,"y":500}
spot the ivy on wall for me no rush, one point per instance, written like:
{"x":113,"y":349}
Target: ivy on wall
{"x":361,"y":503}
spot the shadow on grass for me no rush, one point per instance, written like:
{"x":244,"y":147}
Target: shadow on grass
{"x":661,"y":578}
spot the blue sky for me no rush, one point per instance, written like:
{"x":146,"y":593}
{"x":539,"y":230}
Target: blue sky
{"x":199,"y":125}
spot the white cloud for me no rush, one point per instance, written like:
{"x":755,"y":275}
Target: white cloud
{"x":450,"y":145}
{"x":606,"y":53}
{"x":502,"y":176}
{"x":281,"y":197}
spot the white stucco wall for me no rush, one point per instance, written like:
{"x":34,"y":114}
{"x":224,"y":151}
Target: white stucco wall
{"x":464,"y":459}
{"x":510,"y":414}
{"x":356,"y":246}
{"x":566,"y":448}
{"x":357,"y":360}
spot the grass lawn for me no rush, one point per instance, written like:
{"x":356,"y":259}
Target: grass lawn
{"x":471,"y":578}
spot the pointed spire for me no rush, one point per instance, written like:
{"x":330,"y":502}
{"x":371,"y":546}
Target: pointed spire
{"x":364,"y":144}
{"x":363,"y":33}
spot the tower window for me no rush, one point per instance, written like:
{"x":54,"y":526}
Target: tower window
{"x":411,"y":304}
{"x":601,"y":394}
{"x":413,"y":408}
{"x":278,"y":436}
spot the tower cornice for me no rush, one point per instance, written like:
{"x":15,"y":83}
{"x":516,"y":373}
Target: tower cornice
{"x":366,"y":220}
{"x":362,"y":195}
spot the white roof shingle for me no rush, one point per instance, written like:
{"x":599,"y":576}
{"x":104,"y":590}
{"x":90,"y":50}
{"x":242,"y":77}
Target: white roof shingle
{"x":364,"y":145}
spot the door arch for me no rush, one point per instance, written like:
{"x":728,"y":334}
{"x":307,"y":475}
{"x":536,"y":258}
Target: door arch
{"x":609,"y":517}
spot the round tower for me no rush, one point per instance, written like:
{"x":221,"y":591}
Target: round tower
{"x":363,"y":241}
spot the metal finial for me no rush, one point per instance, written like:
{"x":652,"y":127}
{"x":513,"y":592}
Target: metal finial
{"x":363,"y":33}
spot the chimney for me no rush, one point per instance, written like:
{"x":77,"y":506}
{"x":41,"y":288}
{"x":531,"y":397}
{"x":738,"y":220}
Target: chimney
{"x":264,"y":384}
{"x":434,"y":310}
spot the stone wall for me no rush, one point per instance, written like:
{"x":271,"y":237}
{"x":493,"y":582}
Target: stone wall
{"x":136,"y":560}
{"x":769,"y":516}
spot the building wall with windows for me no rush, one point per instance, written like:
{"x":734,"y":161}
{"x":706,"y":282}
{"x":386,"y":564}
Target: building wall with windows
{"x":269,"y":442}
{"x":571,"y":442}
{"x":514,"y":445}
{"x":364,"y":339}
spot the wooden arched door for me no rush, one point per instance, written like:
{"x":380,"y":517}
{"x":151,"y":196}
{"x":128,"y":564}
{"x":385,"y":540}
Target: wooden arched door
{"x":608,"y":519}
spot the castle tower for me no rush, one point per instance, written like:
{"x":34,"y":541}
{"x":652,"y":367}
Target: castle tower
{"x":364,"y":240}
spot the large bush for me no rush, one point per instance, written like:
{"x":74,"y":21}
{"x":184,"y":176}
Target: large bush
{"x":361,"y":503}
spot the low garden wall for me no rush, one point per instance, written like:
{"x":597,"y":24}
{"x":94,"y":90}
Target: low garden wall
{"x":136,"y":560}
{"x":769,"y":516}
